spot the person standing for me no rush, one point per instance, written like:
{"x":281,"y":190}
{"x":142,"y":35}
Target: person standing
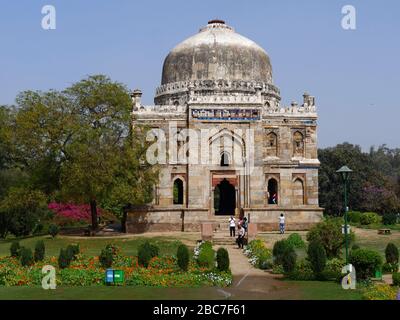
{"x":232,"y":226}
{"x":245,"y":224}
{"x":282,"y":223}
{"x":240,"y":237}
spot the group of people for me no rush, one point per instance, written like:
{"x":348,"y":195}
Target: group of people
{"x":242,"y":229}
{"x":242,"y":226}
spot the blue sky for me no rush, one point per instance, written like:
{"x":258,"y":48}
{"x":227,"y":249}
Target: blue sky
{"x":354,"y":74}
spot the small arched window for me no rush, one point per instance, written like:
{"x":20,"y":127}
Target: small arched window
{"x":224,"y":159}
{"x":178,"y":191}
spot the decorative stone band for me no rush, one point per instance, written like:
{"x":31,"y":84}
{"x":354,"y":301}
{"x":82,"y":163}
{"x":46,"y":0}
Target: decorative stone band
{"x":199,"y":98}
{"x":218,"y":85}
{"x":304,"y":110}
{"x":160,"y":109}
{"x":301,"y":111}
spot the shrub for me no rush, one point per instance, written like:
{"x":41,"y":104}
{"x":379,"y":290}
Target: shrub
{"x":354,"y":216}
{"x":265,"y":264}
{"x":396,"y":279}
{"x":333,"y":269}
{"x":114,"y":249}
{"x":389,"y":219}
{"x":146,"y":252}
{"x":279,"y":249}
{"x":183,"y":257}
{"x":288,"y":259}
{"x":206,"y":244}
{"x":73,"y":250}
{"x":106,"y":258}
{"x":277,"y":269}
{"x":39,"y":251}
{"x":366,"y":262}
{"x":53,"y":230}
{"x":296,"y":241}
{"x":222,"y":259}
{"x":369,"y":218}
{"x":206,"y":256}
{"x":302,"y":271}
{"x":317,"y":256}
{"x":64,"y":259}
{"x":392,"y":253}
{"x":259,"y":254}
{"x":355,"y":247}
{"x":329,"y":234}
{"x":390,"y":267}
{"x":26,"y":257}
{"x":15,"y":249}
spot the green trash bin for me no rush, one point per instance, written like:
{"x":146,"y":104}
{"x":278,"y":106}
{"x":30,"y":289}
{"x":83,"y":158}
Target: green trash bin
{"x":118,"y":276}
{"x":378,"y":274}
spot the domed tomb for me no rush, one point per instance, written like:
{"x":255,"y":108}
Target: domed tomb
{"x":216,"y":53}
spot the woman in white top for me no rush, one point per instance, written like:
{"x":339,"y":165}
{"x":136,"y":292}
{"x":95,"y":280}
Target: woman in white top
{"x":282,"y":223}
{"x":232,"y":226}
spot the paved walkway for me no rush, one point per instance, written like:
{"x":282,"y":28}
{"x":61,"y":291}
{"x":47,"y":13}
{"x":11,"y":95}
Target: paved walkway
{"x":252,"y":283}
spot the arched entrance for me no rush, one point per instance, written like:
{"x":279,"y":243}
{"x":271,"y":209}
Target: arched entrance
{"x":272,"y":191}
{"x":224,"y":198}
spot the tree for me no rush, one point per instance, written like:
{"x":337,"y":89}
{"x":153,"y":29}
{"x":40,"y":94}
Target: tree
{"x":44,"y":126}
{"x":328,"y":233}
{"x":21,"y":210}
{"x":374,"y":184}
{"x":134,"y":178}
{"x":104,"y":123}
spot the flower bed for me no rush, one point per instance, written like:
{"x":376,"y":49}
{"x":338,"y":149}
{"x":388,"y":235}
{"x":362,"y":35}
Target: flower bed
{"x":87,"y":271}
{"x":259,"y":255}
{"x":381,"y":292}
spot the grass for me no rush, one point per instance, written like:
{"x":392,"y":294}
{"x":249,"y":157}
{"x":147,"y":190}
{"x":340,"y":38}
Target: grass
{"x":107,"y":293}
{"x":377,"y":226}
{"x":372,"y":240}
{"x":325,"y":290}
{"x":92,"y":246}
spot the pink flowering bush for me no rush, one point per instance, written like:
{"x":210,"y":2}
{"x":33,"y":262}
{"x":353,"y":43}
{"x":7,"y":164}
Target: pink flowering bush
{"x":75,"y":212}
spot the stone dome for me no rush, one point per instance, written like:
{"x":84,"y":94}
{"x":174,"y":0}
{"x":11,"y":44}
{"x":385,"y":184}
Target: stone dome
{"x":217,"y":52}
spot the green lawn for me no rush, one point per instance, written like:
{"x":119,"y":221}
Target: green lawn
{"x":308,"y":290}
{"x":372,"y":240}
{"x":108,"y":293}
{"x":92,"y":246}
{"x":325,"y":290}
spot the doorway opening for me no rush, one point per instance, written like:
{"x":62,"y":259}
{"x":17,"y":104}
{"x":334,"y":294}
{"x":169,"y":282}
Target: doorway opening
{"x":224,"y":198}
{"x":272,"y":191}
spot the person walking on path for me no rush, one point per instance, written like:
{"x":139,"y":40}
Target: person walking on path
{"x":240,"y":237}
{"x":232,"y":226}
{"x":245,"y":224}
{"x":282,"y":223}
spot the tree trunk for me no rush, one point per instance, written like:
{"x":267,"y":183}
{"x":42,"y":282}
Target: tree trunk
{"x":123,"y":220}
{"x":93,"y":211}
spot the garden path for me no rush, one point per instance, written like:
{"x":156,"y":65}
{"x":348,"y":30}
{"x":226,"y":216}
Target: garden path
{"x":252,"y":283}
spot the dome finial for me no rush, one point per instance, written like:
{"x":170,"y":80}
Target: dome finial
{"x":216,"y":21}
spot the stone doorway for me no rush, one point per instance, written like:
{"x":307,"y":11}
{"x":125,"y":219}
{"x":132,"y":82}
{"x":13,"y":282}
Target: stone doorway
{"x":224,"y":198}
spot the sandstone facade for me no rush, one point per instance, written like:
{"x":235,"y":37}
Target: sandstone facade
{"x":250,"y":152}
